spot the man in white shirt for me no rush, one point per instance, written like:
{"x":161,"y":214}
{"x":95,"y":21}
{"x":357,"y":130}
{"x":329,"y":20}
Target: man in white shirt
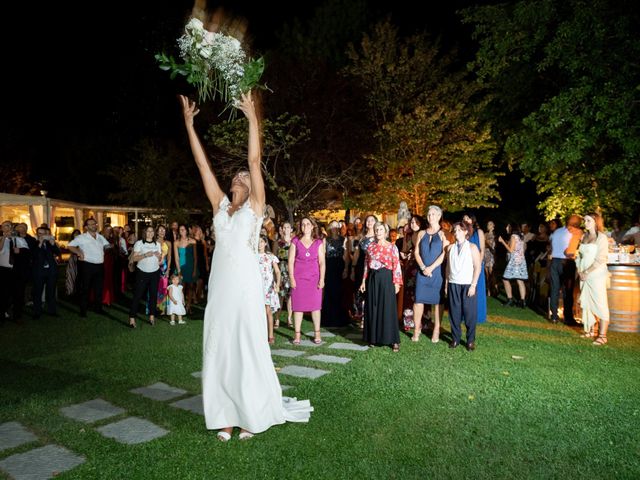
{"x":7,"y":284}
{"x":90,"y":250}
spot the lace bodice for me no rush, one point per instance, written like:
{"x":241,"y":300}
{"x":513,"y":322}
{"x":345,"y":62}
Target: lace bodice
{"x":238,"y":231}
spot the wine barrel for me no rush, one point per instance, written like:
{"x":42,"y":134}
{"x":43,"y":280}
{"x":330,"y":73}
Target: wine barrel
{"x":624,"y":298}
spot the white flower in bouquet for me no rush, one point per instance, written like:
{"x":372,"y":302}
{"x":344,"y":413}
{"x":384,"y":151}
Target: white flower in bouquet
{"x":215,"y":63}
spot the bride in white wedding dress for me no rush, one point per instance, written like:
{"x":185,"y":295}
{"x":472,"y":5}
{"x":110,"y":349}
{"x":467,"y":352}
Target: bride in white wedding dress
{"x":240,"y":387}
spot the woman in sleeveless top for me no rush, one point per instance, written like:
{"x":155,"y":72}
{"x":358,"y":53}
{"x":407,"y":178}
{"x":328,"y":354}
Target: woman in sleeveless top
{"x":591,"y":264}
{"x":477,"y":238}
{"x":463,"y":269}
{"x":281,"y":249}
{"x":516,"y":268}
{"x":306,"y":274}
{"x":429,"y":255}
{"x":240,"y":387}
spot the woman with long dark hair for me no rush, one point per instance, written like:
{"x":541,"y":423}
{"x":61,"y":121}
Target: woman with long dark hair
{"x":306,"y":274}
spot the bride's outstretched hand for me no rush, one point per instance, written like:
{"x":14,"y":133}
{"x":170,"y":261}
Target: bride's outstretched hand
{"x":247,"y":105}
{"x":189,"y":110}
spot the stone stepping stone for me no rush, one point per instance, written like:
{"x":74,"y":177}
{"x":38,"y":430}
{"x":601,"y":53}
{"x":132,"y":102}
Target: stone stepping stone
{"x":40,"y":463}
{"x":159,"y":391}
{"x":322,"y":334}
{"x":307,"y":343}
{"x":287,"y":353}
{"x":191,"y":404}
{"x":303,"y":372}
{"x":354,"y":336}
{"x":197,"y":374}
{"x":349,"y":346}
{"x":286,"y":387}
{"x":91,"y":411}
{"x":13,"y":434}
{"x":132,"y":430}
{"x":329,"y":359}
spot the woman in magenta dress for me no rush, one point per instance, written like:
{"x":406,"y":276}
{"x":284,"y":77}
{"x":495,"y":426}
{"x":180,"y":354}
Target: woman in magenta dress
{"x":306,"y":275}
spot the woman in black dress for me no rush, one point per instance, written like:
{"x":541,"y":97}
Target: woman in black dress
{"x":334,"y":313}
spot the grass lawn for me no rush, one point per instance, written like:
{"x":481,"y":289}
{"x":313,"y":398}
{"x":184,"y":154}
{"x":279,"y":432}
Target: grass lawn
{"x":566,"y":410}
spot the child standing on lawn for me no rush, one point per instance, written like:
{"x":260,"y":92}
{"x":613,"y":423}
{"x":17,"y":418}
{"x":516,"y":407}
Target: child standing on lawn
{"x":175,"y":305}
{"x":268,"y":266}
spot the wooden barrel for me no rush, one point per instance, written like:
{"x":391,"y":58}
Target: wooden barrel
{"x":624,"y":298}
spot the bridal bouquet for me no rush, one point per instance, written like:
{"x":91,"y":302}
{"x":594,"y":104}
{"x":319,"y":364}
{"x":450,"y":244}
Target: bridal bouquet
{"x":214,"y":63}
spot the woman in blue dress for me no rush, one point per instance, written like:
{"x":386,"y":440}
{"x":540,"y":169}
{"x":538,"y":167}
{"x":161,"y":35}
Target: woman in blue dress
{"x":477,"y":238}
{"x":429,"y":255}
{"x":184,"y":250}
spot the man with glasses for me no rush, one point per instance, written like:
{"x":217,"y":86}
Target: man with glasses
{"x":90,"y":250}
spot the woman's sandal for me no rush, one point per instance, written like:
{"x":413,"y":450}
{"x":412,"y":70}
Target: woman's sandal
{"x":415,"y":338}
{"x":587,"y":335}
{"x":223,"y":436}
{"x":395,"y":347}
{"x":317,"y":340}
{"x":276,"y":324}
{"x":132,"y":323}
{"x":296,"y":339}
{"x":601,"y":340}
{"x":245,"y":435}
{"x":289,"y":323}
{"x":272,"y":340}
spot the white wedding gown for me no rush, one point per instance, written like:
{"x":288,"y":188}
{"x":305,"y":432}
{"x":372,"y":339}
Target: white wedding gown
{"x":240,"y":387}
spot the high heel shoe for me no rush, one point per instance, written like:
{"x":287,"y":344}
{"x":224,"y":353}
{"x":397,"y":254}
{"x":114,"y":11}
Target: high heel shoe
{"x":318,"y":339}
{"x":296,"y":339}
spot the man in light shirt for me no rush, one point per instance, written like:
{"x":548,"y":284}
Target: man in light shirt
{"x":564,"y":245}
{"x":90,"y":250}
{"x":7,"y":283}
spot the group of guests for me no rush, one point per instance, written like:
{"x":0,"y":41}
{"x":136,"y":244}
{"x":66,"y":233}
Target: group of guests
{"x":362,"y":273}
{"x":102,"y":267}
{"x":167,"y":268}
{"x":368,"y":274}
{"x":27,"y":260}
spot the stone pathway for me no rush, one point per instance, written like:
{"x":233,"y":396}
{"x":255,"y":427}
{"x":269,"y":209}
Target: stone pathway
{"x":349,"y":346}
{"x":91,"y":411}
{"x":159,"y":391}
{"x":191,"y":404}
{"x":132,"y":430}
{"x":13,"y":434}
{"x":287,"y":353}
{"x":303,"y":372}
{"x":329,"y":359}
{"x":323,"y":334}
{"x":40,"y":463}
{"x":51,"y":460}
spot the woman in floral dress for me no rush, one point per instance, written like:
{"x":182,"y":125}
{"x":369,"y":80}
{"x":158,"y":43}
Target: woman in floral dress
{"x":281,"y":248}
{"x":517,"y":266}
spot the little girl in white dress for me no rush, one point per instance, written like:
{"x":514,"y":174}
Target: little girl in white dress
{"x":176,"y":301}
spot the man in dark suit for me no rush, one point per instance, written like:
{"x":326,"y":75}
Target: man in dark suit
{"x":45,"y":272}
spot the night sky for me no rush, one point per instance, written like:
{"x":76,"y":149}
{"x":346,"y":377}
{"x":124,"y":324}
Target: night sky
{"x":79,"y":88}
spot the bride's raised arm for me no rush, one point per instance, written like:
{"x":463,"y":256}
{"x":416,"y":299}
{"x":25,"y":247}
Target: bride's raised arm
{"x":211,"y":186}
{"x":257,"y":196}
